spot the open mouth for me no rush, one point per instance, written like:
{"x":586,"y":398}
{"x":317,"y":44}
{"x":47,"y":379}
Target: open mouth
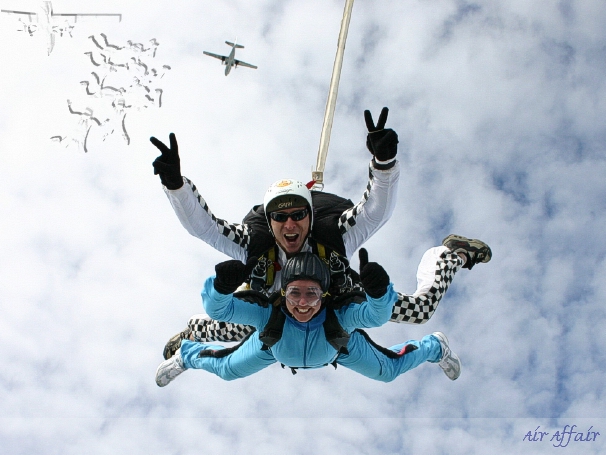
{"x":302,"y":310}
{"x":291,"y":238}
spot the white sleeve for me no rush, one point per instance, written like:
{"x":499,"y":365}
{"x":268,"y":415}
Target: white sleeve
{"x":195,"y":216}
{"x":360,"y":222}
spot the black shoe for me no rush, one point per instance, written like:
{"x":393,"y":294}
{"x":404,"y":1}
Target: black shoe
{"x":174,"y":343}
{"x":474,"y":250}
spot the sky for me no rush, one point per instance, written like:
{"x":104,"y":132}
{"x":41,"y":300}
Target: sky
{"x":499,"y":108}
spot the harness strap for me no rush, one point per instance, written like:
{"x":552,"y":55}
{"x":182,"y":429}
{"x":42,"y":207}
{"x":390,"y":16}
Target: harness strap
{"x":335,"y":334}
{"x":388,"y":352}
{"x":271,"y":269}
{"x":272,"y":332}
{"x":321,"y":251}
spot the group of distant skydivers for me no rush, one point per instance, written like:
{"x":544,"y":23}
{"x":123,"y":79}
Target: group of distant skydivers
{"x":288,"y":294}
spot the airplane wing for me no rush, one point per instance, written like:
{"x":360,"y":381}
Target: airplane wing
{"x":241,"y":63}
{"x":81,"y":16}
{"x":74,"y":16}
{"x":9,"y":11}
{"x":220,"y":57}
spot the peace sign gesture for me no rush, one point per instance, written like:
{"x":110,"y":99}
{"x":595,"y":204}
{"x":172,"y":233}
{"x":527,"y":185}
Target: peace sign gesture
{"x":380,"y":124}
{"x":168,"y":164}
{"x":382,"y":142}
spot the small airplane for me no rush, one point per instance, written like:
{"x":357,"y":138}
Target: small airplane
{"x":46,"y":22}
{"x":230,"y":60}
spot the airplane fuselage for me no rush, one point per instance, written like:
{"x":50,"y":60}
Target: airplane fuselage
{"x":229,"y":63}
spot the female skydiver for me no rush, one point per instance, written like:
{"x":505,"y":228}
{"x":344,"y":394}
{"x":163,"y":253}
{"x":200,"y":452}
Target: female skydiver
{"x":302,"y":328}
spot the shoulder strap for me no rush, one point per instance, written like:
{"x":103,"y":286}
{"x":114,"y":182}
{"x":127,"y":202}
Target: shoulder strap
{"x":335,"y":334}
{"x":272,"y":332}
{"x":271,"y":266}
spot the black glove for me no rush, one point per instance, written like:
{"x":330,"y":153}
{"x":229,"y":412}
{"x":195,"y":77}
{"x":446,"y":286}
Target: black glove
{"x":363,"y":256}
{"x":374,"y":277}
{"x":231,"y":274}
{"x":168,"y":165}
{"x":382,"y":142}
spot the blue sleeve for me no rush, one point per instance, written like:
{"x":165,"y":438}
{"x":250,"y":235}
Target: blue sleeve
{"x":370,"y":313}
{"x":228,"y":308}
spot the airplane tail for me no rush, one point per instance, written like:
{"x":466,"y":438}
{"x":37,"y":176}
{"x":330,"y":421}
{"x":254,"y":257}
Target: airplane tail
{"x":237,"y":46}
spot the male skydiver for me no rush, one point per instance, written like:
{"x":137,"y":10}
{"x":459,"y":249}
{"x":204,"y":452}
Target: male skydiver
{"x":345,"y":231}
{"x":304,"y":328}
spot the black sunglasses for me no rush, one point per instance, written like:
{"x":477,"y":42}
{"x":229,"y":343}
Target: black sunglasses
{"x":281,"y":217}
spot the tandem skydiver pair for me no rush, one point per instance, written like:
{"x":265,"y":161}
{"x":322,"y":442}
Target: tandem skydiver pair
{"x":295,"y":249}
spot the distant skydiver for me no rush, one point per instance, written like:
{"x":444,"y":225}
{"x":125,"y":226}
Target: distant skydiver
{"x":313,"y":221}
{"x":302,"y":327}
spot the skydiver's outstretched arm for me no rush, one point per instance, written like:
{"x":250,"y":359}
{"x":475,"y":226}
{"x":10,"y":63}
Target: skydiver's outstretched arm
{"x":192,"y":210}
{"x":375,"y":208}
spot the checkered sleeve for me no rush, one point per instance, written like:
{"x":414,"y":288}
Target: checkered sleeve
{"x":205,"y":329}
{"x":418,"y":310}
{"x":197,"y":218}
{"x":378,"y":202}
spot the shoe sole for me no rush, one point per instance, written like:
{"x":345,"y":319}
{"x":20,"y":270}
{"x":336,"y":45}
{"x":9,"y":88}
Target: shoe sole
{"x":174,"y":344}
{"x":465,"y":243}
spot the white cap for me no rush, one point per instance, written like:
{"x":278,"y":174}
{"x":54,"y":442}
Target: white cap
{"x":286,"y":194}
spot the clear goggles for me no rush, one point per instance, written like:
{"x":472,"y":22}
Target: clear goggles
{"x":310,"y":296}
{"x":282,"y":217}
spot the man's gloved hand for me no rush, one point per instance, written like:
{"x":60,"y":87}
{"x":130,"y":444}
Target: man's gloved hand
{"x":168,"y":165}
{"x":374,"y":277}
{"x":382,"y":142}
{"x":231,"y":274}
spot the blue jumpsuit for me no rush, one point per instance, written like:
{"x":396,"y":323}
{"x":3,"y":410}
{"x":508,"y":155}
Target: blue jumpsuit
{"x":304,"y":345}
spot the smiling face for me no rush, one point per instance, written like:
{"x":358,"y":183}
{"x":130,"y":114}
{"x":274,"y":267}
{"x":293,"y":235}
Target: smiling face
{"x":303,"y":301}
{"x":290,"y":235}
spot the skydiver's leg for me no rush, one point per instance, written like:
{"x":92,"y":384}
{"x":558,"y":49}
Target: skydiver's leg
{"x":202,"y":328}
{"x":247,"y":359}
{"x":205,"y":329}
{"x":434,"y":275}
{"x":372,"y":361}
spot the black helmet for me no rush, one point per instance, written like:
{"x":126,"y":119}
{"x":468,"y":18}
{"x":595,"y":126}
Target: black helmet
{"x":306,"y":266}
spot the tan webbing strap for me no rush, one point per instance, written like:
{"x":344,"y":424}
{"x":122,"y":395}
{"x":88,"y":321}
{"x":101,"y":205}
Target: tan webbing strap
{"x":271,"y":256}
